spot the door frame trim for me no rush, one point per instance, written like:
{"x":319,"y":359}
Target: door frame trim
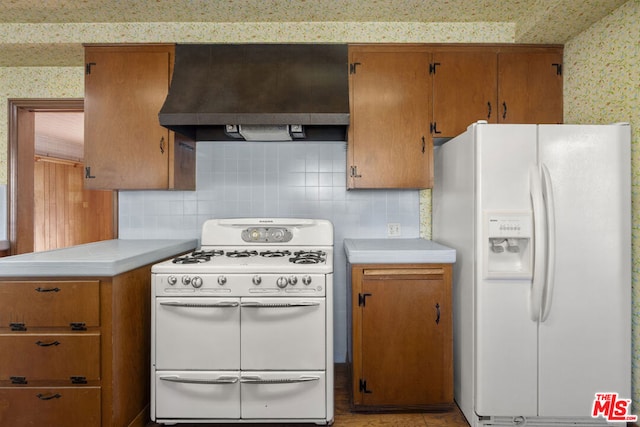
{"x":16,"y":156}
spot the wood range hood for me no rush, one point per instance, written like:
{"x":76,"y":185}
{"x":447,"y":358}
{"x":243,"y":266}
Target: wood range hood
{"x":265,"y":92}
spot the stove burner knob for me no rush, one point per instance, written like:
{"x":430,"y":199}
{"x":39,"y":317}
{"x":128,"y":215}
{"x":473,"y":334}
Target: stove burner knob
{"x":282,"y":282}
{"x":172,"y":280}
{"x":256,"y":280}
{"x":196,"y":282}
{"x":186,"y":280}
{"x":222,"y":280}
{"x":306,"y":280}
{"x":293,"y":280}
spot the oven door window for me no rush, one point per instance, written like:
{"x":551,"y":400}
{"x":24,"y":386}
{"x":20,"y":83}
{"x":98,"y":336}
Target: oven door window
{"x":197,"y":333}
{"x":283,"y":333}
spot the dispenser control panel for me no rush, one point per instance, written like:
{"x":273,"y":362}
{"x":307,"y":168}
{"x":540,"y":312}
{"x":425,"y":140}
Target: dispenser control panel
{"x":509,"y":239}
{"x":509,"y":226}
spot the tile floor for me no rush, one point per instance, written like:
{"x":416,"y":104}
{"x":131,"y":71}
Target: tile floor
{"x":343,"y":417}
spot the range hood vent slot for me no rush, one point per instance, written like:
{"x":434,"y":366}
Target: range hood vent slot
{"x":216,"y":89}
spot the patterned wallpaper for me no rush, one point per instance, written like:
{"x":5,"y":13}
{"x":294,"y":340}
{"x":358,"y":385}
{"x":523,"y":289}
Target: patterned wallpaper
{"x":602,"y":85}
{"x":602,"y":82}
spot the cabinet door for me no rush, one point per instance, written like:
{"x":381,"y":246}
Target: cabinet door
{"x":125,"y":146}
{"x":530,"y":87}
{"x":405,"y":338}
{"x":464,"y":90}
{"x":389,"y":144}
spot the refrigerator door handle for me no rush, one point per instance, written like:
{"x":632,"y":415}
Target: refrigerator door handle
{"x":539,"y":242}
{"x":551,"y":243}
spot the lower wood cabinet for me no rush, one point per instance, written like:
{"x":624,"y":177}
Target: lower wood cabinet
{"x":401,"y":349}
{"x":74,"y":352}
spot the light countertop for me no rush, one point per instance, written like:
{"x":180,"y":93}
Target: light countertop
{"x":106,"y":258}
{"x":397,"y":251}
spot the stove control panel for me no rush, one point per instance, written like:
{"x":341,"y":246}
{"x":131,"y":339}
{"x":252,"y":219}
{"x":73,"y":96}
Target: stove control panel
{"x":239,"y":284}
{"x":266,"y":234}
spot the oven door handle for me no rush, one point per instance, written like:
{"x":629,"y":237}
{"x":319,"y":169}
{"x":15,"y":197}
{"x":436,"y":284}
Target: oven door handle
{"x":280,"y":305}
{"x":258,"y":380}
{"x":194,"y":305}
{"x":219,"y":380}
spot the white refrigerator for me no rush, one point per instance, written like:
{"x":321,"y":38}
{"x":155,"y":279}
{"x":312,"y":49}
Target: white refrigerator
{"x":540,"y":217}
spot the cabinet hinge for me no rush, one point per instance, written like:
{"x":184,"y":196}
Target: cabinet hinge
{"x":433,"y":128}
{"x":87,"y":67}
{"x":78,"y":326}
{"x":354,"y":172}
{"x":432,"y":67}
{"x":353,"y":66}
{"x":78,"y":380}
{"x":363,"y":387}
{"x":87,"y":173}
{"x":558,"y":68}
{"x":17,"y":326}
{"x":362,"y":299}
{"x":18,"y":380}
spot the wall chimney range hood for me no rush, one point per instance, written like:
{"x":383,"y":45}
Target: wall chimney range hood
{"x":267,"y":92}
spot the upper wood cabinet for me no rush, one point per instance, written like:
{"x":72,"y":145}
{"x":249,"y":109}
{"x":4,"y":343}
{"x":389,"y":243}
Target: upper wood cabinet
{"x":390,"y":103}
{"x":465,"y":87}
{"x":125,"y":146}
{"x":404,"y":96}
{"x":500,"y":84}
{"x":530,"y":86}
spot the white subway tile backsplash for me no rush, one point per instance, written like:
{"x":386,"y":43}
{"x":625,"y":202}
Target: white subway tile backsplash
{"x":266,"y":179}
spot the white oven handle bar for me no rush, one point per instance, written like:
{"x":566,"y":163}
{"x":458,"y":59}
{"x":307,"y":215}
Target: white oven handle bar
{"x":258,"y":380}
{"x":279,"y":305}
{"x":220,"y":380}
{"x":193,"y":305}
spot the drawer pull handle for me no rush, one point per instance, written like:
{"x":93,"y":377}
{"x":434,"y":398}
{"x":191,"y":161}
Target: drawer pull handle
{"x":47,"y":344}
{"x":48,"y":396}
{"x":39,"y":289}
{"x":258,"y":380}
{"x":219,"y":380}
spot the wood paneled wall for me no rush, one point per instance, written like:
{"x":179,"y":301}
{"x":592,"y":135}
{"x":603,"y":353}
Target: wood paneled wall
{"x":64,"y":213}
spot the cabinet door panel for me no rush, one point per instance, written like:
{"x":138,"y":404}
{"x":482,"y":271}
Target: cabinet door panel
{"x":405,"y":325}
{"x":125,"y":146}
{"x":530,"y":87}
{"x":390,"y":107}
{"x":464,"y":90}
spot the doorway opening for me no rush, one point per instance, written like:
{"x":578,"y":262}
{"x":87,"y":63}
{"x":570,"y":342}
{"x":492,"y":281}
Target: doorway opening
{"x":48,"y":206}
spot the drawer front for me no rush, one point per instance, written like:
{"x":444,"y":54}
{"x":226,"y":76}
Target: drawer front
{"x":50,"y":356}
{"x":50,"y":303}
{"x":51,"y":407}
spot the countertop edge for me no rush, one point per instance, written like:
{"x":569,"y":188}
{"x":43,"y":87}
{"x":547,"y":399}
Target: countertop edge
{"x":430,"y":253}
{"x":18,"y":266}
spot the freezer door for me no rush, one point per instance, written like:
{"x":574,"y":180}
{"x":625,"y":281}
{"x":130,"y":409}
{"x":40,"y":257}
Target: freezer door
{"x":506,"y":336}
{"x":584,"y":343}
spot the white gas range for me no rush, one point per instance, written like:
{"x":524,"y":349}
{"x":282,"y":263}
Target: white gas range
{"x":242,"y":328}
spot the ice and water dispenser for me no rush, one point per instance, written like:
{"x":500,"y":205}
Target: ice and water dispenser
{"x":509,"y":245}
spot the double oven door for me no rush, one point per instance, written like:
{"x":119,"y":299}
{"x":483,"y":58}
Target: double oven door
{"x":239,"y":358}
